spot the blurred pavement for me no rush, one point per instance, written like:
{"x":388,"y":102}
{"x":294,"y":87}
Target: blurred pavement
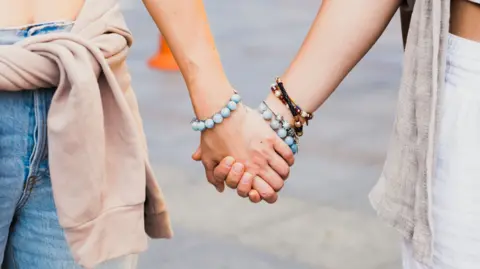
{"x":323,"y":219}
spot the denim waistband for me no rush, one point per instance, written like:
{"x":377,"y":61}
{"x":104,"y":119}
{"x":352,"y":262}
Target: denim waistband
{"x":11,"y":35}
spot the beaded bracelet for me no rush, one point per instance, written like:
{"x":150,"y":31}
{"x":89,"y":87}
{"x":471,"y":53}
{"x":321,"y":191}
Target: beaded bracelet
{"x":217,"y":118}
{"x":279,"y":91}
{"x":282,"y":127}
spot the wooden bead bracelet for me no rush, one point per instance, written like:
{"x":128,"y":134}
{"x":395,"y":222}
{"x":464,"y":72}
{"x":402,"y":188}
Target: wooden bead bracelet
{"x":300,"y":116}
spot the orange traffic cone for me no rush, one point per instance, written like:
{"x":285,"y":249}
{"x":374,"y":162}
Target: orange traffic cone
{"x":163,"y":59}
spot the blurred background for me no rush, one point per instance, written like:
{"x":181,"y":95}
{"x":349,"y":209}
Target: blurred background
{"x":323,"y":218}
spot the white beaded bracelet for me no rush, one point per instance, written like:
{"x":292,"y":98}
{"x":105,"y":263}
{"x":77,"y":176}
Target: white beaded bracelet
{"x":283,"y":129}
{"x":217,"y":118}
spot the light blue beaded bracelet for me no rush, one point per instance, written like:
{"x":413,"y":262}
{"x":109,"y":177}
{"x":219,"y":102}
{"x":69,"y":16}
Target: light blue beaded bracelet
{"x":217,"y":118}
{"x":281,"y":126}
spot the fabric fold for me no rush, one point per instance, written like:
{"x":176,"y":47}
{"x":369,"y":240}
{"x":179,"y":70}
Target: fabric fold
{"x":97,"y":150}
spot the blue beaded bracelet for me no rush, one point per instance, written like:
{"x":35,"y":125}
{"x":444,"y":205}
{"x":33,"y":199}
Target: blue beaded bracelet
{"x":217,"y":118}
{"x":282,"y":127}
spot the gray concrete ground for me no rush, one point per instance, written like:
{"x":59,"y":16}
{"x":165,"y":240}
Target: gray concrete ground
{"x":323,"y":218}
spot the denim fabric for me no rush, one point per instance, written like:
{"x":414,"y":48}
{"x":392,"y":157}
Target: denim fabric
{"x":30,"y":235}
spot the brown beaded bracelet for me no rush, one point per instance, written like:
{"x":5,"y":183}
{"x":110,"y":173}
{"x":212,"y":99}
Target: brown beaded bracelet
{"x":297,"y":112}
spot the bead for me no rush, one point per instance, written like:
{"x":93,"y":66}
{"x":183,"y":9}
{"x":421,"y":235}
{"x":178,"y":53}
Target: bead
{"x":195,"y":126}
{"x":267,"y":114}
{"x":278,"y":93}
{"x":225,"y":112}
{"x":217,"y":118}
{"x":273,"y":86}
{"x":286,"y":125}
{"x":282,"y":133}
{"x":294,"y":148}
{"x":289,"y":140}
{"x":232,"y":105}
{"x":200,"y":126}
{"x":209,"y":123}
{"x":291,"y":132}
{"x":275,"y":124}
{"x":236,"y":98}
{"x":304,"y":114}
{"x":300,"y":133}
{"x":298,"y":124}
{"x":262,"y":107}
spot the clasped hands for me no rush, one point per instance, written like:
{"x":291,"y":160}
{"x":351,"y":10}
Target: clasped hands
{"x":247,"y":155}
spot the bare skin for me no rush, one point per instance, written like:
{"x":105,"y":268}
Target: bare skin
{"x":465,"y":19}
{"x":21,"y":12}
{"x":315,"y":73}
{"x":185,"y":26}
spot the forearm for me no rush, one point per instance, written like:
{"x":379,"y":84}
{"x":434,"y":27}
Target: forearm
{"x":340,"y":36}
{"x":184,"y":25}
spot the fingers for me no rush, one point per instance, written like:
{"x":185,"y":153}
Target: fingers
{"x":284,"y":150}
{"x":197,"y":155}
{"x":235,"y":175}
{"x":254,"y":196}
{"x":222,"y":170}
{"x":279,"y":165}
{"x":245,"y":184}
{"x":271,"y":178}
{"x":209,"y":167}
{"x":265,"y":191}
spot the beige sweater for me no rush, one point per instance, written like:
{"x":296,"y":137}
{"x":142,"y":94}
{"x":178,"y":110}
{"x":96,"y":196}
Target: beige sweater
{"x":106,"y":196}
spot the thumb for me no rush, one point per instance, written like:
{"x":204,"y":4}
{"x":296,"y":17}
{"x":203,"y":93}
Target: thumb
{"x":197,"y":156}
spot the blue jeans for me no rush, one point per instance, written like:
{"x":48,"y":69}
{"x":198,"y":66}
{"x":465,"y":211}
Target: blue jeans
{"x":30,"y":234}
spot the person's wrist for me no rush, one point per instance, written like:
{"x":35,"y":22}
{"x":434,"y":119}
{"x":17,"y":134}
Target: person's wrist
{"x":308,"y":94}
{"x":279,"y":108}
{"x":209,"y":99}
{"x":229,"y":108}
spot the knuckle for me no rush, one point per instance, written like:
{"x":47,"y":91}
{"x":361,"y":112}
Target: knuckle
{"x":290,"y":157}
{"x":243,"y":190}
{"x":219,"y":175}
{"x":266,"y":151}
{"x":267,"y":195}
{"x":275,"y":181}
{"x":260,"y":162}
{"x":207,"y":163}
{"x":278,"y":185}
{"x":257,"y":153}
{"x":256,"y":165}
{"x":285,"y":172}
{"x":271,"y":138}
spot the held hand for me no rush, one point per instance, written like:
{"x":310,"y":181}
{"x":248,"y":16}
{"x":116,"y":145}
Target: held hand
{"x":235,"y":178}
{"x":246,"y":137}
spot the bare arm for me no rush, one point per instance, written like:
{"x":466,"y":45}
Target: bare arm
{"x":184,"y":25}
{"x":342,"y":33}
{"x":244,"y":135}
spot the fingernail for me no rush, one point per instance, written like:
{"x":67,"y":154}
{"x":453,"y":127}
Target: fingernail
{"x":238,"y":167}
{"x":246,"y":178}
{"x":229,"y":161}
